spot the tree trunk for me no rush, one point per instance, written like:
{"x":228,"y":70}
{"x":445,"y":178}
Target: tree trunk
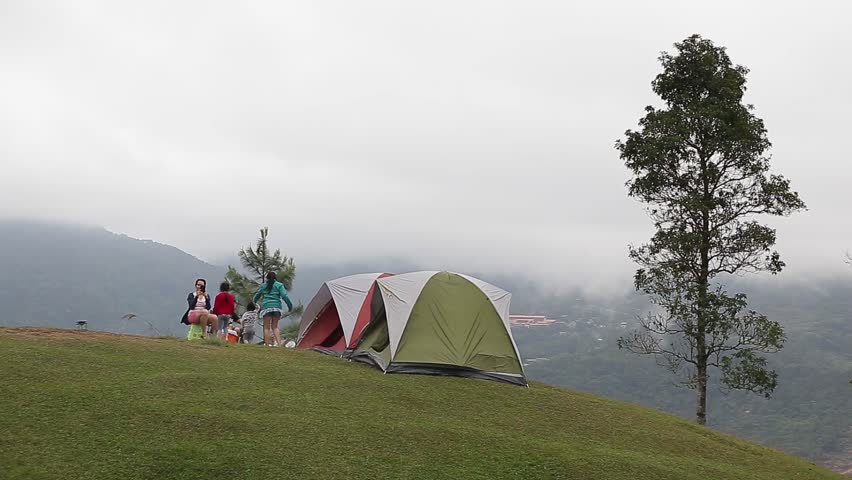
{"x":701,"y":409}
{"x":700,"y":339}
{"x":703,"y":287}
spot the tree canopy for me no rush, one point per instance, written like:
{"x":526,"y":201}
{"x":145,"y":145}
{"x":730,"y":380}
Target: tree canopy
{"x":700,"y":163}
{"x":257,"y":261}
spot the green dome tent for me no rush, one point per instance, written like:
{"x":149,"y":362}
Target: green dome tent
{"x":441,"y":323}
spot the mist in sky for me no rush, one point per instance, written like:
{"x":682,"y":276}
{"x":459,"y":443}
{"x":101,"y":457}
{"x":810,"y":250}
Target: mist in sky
{"x":465,"y":135}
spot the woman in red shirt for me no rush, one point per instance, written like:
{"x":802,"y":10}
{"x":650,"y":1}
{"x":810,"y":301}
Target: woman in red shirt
{"x":223,"y":307}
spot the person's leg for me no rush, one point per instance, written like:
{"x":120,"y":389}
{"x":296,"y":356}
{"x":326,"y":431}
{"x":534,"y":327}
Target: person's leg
{"x":203,"y":319}
{"x":213,"y":323}
{"x":275,"y":331}
{"x":223,"y":323}
{"x":248,"y":335}
{"x":267,"y":330}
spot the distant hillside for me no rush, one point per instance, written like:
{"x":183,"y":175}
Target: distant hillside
{"x":809,"y":412}
{"x":309,"y":277}
{"x":54,"y":275}
{"x":106,"y":406}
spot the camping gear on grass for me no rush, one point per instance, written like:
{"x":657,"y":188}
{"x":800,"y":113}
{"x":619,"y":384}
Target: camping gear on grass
{"x":335,"y":317}
{"x":194,"y":332}
{"x":233,"y":337}
{"x":440,"y":323}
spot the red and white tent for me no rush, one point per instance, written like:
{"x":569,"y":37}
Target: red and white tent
{"x":336,"y":316}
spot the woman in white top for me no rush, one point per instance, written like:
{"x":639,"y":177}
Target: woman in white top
{"x":198,"y":303}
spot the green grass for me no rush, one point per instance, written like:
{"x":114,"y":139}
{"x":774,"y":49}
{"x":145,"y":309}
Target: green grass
{"x":87,"y":405}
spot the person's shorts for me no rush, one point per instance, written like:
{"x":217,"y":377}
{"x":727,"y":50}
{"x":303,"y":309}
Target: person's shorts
{"x":192,"y":318}
{"x":274,"y":313}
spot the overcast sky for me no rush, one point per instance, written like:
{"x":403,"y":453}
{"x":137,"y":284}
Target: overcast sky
{"x":468,"y":135}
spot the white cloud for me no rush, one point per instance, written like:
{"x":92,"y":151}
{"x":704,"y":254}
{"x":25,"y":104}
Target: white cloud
{"x":477,"y":134}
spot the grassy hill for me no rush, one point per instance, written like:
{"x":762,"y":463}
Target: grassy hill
{"x":96,"y":405}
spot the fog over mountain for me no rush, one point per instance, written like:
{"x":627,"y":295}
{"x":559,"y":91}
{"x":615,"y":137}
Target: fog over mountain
{"x":472,"y":135}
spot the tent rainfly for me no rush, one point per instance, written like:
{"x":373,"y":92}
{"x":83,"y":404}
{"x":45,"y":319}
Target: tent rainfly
{"x":441,"y":323}
{"x":335,"y":317}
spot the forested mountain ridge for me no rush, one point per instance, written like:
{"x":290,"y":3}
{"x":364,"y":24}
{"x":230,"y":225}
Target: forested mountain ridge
{"x":55,"y":275}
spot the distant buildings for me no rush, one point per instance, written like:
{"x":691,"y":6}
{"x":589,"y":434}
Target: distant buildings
{"x":530,"y":321}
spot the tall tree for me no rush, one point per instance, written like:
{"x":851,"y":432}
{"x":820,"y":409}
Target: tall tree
{"x":258,"y":261}
{"x":701,"y":165}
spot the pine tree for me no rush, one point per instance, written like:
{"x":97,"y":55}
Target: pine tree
{"x":259,"y":261}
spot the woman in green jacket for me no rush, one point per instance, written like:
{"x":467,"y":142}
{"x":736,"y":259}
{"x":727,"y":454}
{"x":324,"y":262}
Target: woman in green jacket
{"x":269,"y":297}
